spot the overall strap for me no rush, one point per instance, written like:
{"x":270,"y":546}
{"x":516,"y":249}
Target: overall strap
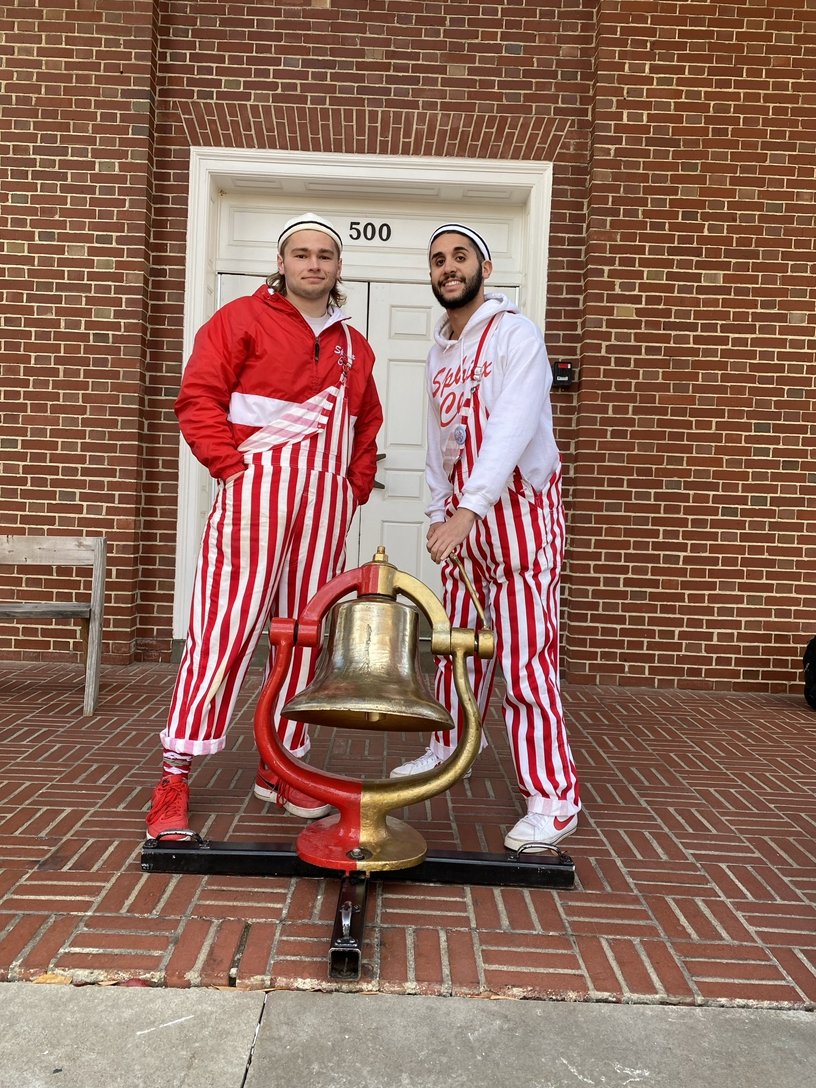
{"x":477,"y":363}
{"x":347,"y":360}
{"x":476,"y":376}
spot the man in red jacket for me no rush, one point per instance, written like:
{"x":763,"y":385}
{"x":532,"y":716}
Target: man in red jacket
{"x":279,"y":403}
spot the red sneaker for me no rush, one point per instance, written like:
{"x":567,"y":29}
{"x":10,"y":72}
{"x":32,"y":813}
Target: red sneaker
{"x":299,"y":804}
{"x":169,"y":810}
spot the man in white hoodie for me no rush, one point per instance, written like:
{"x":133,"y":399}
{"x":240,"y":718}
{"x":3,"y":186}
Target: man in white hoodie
{"x":494,"y":473}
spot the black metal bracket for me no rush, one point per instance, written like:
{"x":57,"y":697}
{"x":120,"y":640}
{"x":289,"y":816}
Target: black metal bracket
{"x":346,"y":948}
{"x":511,"y":870}
{"x":205,"y":857}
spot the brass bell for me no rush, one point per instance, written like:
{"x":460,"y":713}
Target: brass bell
{"x":368,"y":675}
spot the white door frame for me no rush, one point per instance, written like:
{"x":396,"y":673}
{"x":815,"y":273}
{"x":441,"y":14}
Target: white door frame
{"x":214,"y":171}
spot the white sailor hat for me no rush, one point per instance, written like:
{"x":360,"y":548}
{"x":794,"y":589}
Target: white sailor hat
{"x":310,"y":221}
{"x":469,"y":232}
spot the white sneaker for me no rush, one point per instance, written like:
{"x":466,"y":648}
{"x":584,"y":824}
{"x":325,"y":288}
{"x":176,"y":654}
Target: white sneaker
{"x":542,"y":830}
{"x":424,"y":763}
{"x":295,"y":801}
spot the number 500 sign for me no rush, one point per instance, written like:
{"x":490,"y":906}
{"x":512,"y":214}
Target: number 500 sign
{"x":369,"y":231}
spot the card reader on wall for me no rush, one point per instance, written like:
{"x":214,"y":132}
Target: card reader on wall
{"x":562,"y":373}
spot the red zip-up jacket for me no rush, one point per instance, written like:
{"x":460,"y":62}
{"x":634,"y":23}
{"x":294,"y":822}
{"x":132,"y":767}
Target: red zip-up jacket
{"x":252,"y":359}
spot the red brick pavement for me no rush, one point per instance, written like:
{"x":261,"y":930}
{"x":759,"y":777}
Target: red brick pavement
{"x":695,"y":855}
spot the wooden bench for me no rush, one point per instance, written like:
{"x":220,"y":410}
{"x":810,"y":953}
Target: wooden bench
{"x":64,"y":551}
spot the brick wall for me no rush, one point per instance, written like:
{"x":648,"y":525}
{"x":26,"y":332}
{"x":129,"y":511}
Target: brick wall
{"x":693,"y":512}
{"x":75,"y":183}
{"x":679,"y":255}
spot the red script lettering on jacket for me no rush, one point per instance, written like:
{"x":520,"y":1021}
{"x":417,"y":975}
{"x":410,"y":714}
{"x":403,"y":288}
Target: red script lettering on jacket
{"x":445,"y":384}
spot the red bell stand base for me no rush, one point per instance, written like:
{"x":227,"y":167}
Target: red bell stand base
{"x":324,"y":843}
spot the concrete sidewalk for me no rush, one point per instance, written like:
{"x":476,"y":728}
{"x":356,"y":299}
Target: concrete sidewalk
{"x":112,"y":1037}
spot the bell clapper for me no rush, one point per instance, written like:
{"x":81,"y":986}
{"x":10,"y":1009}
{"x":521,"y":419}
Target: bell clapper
{"x":470,"y":589}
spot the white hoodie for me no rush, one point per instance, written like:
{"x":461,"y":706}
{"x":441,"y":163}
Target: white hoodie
{"x":515,"y":391}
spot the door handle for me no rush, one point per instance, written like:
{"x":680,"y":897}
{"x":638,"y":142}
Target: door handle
{"x":377,"y":485}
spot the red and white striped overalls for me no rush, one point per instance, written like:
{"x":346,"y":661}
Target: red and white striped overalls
{"x":513,"y":557}
{"x":275,"y":535}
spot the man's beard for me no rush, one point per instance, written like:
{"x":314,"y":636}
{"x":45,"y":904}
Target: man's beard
{"x":470,"y":290}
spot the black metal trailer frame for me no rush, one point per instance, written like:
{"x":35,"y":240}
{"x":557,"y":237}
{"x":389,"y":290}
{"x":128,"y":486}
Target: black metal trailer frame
{"x":512,"y":870}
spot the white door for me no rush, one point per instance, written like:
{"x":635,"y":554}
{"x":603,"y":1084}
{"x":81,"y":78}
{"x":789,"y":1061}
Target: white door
{"x":385,"y":208}
{"x":400,"y":330}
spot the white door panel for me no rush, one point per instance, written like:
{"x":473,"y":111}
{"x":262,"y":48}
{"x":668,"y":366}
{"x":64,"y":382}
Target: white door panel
{"x":232,"y":285}
{"x":356,"y":304}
